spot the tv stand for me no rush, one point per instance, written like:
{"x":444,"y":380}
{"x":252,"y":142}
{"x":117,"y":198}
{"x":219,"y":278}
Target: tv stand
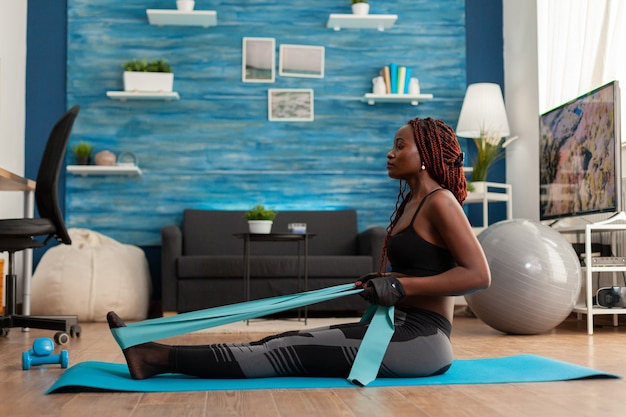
{"x":586,"y":305}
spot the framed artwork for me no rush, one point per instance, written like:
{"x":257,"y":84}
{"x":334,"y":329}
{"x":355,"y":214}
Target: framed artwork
{"x":301,"y":61}
{"x":290,"y":105}
{"x":258,"y":59}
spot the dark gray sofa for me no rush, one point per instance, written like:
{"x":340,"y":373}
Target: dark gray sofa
{"x":202,"y":262}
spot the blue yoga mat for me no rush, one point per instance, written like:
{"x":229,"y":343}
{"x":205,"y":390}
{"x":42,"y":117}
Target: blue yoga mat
{"x":509,"y":369}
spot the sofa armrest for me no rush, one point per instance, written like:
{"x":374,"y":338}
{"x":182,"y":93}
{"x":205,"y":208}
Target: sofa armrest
{"x":171,"y":249}
{"x":371,"y":242}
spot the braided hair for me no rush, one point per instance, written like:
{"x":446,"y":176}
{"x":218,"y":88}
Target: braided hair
{"x":441,"y":155}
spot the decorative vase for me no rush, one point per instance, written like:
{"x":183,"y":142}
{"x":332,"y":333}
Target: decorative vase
{"x":414,"y":86}
{"x":185,"y":5}
{"x":260,"y":226}
{"x":360,"y":9}
{"x":379,"y":86}
{"x":106,"y":158}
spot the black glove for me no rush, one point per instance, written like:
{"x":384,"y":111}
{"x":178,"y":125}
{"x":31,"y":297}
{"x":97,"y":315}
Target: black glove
{"x":384,"y":291}
{"x":364,"y":278}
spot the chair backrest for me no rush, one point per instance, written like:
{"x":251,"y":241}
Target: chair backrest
{"x":46,"y":192}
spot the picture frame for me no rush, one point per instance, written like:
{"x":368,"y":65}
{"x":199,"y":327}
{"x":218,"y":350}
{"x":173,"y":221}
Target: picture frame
{"x":301,"y":61}
{"x":290,"y":104}
{"x":258,"y":60}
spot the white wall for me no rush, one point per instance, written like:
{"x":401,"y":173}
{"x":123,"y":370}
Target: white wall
{"x":12,"y":97}
{"x":12,"y":103}
{"x":521,"y":90}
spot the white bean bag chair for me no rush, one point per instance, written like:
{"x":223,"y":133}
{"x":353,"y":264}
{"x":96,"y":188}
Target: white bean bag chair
{"x":90,"y":277}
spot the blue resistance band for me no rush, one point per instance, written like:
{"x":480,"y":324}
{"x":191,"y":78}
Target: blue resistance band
{"x":374,"y":344}
{"x":366,"y":364}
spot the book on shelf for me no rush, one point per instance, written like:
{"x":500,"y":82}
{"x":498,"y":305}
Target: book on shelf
{"x":393,"y":76}
{"x":401,"y":79}
{"x":397,"y":78}
{"x":407,"y":79}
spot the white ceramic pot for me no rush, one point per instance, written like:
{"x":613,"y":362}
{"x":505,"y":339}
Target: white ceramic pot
{"x":379,"y":86}
{"x":414,"y":86}
{"x":479,"y":187}
{"x":360,"y":8}
{"x":148,"y":81}
{"x":185,"y":5}
{"x":260,"y":226}
{"x":106,"y":158}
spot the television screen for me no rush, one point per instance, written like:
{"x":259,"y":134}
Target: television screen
{"x":579,"y":154}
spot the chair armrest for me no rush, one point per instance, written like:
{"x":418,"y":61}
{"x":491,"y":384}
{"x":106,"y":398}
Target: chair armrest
{"x":371,"y":242}
{"x":171,"y":249}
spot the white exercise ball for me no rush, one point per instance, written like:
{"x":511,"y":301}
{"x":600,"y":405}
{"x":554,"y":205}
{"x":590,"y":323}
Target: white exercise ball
{"x":535,"y":278}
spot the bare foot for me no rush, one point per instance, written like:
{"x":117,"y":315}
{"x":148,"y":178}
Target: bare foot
{"x":144,"y":360}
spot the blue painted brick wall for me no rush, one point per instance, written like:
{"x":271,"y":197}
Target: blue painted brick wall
{"x":215,"y":147}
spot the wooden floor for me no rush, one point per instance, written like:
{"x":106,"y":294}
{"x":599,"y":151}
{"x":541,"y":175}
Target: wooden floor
{"x":22,"y":392}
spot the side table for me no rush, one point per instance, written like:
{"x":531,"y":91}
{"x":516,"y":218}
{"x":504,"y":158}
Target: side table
{"x":276,"y":237}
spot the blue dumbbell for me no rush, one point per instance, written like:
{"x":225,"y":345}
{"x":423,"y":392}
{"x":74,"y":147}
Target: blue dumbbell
{"x":41,"y":353}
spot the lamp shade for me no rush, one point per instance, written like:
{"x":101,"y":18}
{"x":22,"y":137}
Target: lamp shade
{"x":483,"y":112}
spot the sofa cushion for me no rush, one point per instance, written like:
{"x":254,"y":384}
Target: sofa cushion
{"x":205,"y":267}
{"x":210,"y":232}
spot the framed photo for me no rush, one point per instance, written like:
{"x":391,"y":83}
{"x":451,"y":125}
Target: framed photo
{"x":290,"y":105}
{"x":258,"y":59}
{"x":301,"y":61}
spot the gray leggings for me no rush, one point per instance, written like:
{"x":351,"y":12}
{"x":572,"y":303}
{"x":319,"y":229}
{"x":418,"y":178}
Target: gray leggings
{"x":419,"y":347}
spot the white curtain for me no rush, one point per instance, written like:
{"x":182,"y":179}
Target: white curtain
{"x":581,"y":47}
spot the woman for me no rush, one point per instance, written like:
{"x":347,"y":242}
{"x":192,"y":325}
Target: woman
{"x":433,"y":255}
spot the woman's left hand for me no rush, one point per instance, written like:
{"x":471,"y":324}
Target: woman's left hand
{"x":384,"y":291}
{"x":363,"y":279}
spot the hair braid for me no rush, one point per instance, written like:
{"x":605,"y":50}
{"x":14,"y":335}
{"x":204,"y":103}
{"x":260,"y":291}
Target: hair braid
{"x":441,"y":154}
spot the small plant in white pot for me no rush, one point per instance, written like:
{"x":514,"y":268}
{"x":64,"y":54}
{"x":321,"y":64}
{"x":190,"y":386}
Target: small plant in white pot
{"x":185,"y":5}
{"x":260,"y":219}
{"x":153,"y":76}
{"x":360,"y":7}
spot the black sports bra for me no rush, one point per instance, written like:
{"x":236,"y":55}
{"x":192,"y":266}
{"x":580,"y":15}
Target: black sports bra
{"x":410,"y":254}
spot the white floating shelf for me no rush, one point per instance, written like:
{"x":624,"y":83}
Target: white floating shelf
{"x":84,"y":170}
{"x":138,"y":95}
{"x":204,"y":18}
{"x":414,"y":99}
{"x":368,"y":21}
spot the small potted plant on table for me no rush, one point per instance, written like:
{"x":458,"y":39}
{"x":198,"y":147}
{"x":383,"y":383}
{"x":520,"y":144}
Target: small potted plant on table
{"x":489,"y":149}
{"x":260,"y":219}
{"x":153,"y":76}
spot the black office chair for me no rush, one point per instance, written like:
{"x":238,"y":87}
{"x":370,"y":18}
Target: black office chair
{"x":20,"y":234}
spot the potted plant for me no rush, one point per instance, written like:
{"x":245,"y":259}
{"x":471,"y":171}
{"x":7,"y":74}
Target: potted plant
{"x":185,"y":5}
{"x":82,"y":151}
{"x":153,"y":76}
{"x":360,"y":7}
{"x":260,"y":219}
{"x":489,"y":149}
